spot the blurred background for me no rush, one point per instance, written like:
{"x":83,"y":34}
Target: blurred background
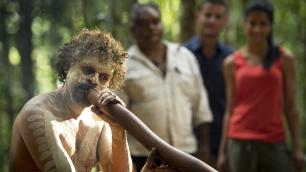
{"x":31,"y":31}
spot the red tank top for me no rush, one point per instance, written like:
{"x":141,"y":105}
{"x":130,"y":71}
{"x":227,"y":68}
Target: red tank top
{"x":257,"y":109}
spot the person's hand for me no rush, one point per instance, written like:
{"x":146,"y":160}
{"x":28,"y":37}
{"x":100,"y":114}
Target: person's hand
{"x":298,"y":159}
{"x":107,"y":97}
{"x":150,"y":165}
{"x":222,"y":163}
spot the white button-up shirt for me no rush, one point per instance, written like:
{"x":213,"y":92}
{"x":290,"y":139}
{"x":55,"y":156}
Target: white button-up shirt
{"x":170,"y":105}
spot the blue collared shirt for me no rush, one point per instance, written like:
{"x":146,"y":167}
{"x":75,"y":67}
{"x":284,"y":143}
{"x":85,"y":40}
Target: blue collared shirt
{"x":212,"y":73}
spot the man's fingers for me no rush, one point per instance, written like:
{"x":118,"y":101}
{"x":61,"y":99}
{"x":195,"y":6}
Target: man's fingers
{"x":96,"y":110}
{"x":103,"y":95}
{"x":151,"y":158}
{"x":109,"y":99}
{"x":106,"y":97}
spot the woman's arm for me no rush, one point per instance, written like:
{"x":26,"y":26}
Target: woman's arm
{"x":229,"y":77}
{"x":290,"y":109}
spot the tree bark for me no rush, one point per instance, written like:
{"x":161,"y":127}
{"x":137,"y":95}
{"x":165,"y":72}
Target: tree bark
{"x":187,"y":19}
{"x":6,"y":95}
{"x":6,"y":69}
{"x":115,"y":18}
{"x":118,"y":27}
{"x":84,"y":11}
{"x":24,"y":46}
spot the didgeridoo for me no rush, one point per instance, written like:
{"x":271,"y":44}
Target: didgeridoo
{"x":134,"y":126}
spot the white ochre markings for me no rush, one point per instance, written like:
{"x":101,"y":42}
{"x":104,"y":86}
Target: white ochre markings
{"x":37,"y":125}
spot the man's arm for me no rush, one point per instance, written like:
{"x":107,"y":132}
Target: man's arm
{"x":113,"y":151}
{"x":202,"y":134}
{"x":202,"y":114}
{"x":121,"y":159}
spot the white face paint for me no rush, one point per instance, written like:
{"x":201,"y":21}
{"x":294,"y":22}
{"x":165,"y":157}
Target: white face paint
{"x":91,"y":72}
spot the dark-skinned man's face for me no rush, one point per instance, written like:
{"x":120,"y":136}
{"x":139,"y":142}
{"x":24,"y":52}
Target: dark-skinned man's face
{"x":148,"y":28}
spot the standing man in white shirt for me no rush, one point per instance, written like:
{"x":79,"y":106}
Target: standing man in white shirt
{"x":164,"y":88}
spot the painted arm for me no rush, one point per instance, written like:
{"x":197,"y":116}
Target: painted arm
{"x":229,"y":77}
{"x":290,"y":109}
{"x":121,"y":159}
{"x":113,"y":150}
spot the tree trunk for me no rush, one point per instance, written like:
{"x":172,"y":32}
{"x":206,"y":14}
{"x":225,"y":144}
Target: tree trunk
{"x":84,"y":11}
{"x":24,"y":46}
{"x":187,"y":19}
{"x":115,"y":18}
{"x":5,"y":86}
{"x":119,"y":27}
{"x":301,"y":60}
{"x":6,"y":69}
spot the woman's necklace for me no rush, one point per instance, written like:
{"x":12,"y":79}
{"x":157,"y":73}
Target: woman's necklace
{"x":252,"y":59}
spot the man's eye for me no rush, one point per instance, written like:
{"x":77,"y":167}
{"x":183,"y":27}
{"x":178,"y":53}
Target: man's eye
{"x":88,"y":70}
{"x":218,"y":17}
{"x":103,"y":77}
{"x":208,"y":15}
{"x":253,"y":24}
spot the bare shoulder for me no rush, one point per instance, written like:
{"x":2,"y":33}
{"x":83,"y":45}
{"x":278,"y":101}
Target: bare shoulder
{"x":229,"y":61}
{"x":34,"y":110}
{"x":29,"y":139}
{"x":287,"y":57}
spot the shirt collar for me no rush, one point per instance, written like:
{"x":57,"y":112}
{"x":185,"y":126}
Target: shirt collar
{"x":196,"y":44}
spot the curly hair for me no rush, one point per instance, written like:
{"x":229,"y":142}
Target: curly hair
{"x":92,"y":43}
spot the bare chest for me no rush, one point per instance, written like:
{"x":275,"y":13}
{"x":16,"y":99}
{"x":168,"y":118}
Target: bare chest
{"x":79,"y":139}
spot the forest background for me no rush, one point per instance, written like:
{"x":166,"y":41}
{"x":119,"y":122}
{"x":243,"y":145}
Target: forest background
{"x":31,"y":31}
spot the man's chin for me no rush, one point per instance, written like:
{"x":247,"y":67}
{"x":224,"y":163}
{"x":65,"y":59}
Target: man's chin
{"x":210,"y":34}
{"x":80,"y":94}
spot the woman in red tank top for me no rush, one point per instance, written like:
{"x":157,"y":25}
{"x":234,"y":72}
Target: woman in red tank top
{"x":261,"y":88}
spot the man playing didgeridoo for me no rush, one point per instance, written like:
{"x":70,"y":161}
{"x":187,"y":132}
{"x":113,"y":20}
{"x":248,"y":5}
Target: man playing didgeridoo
{"x":58,"y":131}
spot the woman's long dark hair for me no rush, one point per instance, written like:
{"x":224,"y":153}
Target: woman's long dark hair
{"x":266,"y":7}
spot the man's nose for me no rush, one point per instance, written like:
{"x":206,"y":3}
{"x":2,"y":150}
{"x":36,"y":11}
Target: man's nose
{"x":94,"y":79}
{"x":256,"y":29}
{"x":212,"y":19}
{"x":152,"y":26}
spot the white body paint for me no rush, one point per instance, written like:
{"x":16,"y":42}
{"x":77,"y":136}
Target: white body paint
{"x":69,"y":145}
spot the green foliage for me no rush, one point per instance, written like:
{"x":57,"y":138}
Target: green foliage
{"x":170,"y":17}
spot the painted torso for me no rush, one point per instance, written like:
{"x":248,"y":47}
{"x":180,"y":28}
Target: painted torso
{"x":66,"y":145}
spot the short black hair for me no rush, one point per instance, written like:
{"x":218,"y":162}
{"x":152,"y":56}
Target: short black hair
{"x":135,"y":13}
{"x":218,"y":2}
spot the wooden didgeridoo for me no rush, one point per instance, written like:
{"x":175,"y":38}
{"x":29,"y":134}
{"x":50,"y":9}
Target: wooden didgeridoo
{"x":172,"y":156}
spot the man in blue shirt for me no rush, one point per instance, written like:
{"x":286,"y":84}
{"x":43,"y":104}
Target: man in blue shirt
{"x":211,"y":17}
